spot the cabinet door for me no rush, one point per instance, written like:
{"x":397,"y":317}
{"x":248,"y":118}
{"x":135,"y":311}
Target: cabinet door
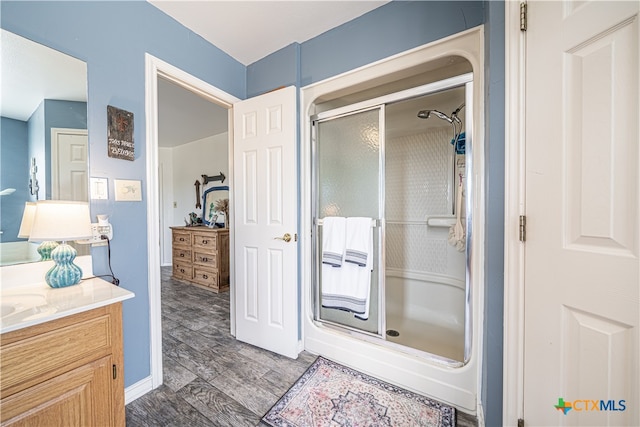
{"x":81,"y":397}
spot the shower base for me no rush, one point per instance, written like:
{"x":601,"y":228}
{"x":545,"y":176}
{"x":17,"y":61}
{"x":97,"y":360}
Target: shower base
{"x":427,"y":337}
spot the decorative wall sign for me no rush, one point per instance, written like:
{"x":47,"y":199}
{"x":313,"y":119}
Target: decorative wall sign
{"x":120,"y":133}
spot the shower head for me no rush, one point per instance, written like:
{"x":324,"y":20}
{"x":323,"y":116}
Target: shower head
{"x":425,"y":114}
{"x":454,"y":115}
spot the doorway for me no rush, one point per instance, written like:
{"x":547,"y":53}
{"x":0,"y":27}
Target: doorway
{"x":160,"y":73}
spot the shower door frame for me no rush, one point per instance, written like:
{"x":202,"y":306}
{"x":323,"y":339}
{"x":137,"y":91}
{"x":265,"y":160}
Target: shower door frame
{"x":379,"y":223}
{"x":463,"y":80}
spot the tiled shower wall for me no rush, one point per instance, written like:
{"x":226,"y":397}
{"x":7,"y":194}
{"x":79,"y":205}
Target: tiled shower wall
{"x":418,"y":185}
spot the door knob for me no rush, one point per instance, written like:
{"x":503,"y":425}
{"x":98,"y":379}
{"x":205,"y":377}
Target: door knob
{"x":286,"y":237}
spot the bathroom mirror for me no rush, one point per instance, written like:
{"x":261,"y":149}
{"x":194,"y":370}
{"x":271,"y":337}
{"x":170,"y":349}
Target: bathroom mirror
{"x":44,"y":123}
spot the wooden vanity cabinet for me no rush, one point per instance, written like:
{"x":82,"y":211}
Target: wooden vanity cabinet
{"x":201,"y":256}
{"x":65,"y":372}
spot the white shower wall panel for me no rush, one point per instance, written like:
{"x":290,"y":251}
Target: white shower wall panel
{"x":417,"y":176}
{"x":418,"y":185}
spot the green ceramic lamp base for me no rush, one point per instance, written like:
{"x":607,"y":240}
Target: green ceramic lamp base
{"x":45,"y":250}
{"x":64,"y":273}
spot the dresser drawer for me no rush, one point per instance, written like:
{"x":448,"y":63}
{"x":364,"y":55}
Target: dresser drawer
{"x":205,"y":241}
{"x":181,"y":238}
{"x":182,"y":270}
{"x":205,"y":277}
{"x":180,"y":254}
{"x":205,"y":258}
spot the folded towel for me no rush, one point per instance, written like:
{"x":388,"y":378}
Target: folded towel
{"x":333,"y":235}
{"x":349,"y":287}
{"x":365,"y":277}
{"x":357,"y":246}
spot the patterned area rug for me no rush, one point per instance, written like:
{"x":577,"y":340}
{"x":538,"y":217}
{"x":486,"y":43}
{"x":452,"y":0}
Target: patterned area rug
{"x":329,"y":394}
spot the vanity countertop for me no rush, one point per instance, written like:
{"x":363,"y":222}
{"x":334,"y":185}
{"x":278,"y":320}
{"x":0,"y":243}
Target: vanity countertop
{"x":32,"y":304}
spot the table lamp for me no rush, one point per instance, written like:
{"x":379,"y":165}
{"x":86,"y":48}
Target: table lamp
{"x":62,"y":221}
{"x":45,"y":248}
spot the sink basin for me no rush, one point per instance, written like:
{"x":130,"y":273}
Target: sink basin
{"x":6,"y":309}
{"x":12,"y":305}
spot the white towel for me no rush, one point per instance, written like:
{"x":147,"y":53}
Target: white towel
{"x":333,"y":235}
{"x":348,"y":287}
{"x":364,"y":278}
{"x":357,"y":245}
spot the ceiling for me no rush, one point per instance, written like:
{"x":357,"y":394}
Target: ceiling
{"x":251,"y":30}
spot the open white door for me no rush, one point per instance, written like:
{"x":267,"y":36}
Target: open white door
{"x":265,"y":221}
{"x":582,"y":321}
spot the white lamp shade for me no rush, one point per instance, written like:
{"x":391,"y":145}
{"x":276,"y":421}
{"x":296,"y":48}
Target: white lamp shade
{"x":60,"y":220}
{"x":27,"y":220}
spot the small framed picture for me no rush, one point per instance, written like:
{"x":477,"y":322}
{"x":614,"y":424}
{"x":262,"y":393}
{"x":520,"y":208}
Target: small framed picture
{"x":127,"y":190}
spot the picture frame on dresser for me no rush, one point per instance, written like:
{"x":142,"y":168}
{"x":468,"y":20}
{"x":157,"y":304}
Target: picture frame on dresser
{"x":210,"y":198}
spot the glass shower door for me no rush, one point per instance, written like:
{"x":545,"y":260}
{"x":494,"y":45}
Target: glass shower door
{"x":347,"y":183}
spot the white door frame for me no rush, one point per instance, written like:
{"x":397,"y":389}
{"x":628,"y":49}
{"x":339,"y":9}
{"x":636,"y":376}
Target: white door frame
{"x":154,"y":68}
{"x":514,"y":198}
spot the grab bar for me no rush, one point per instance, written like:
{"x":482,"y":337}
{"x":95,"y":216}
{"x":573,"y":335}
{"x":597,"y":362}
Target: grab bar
{"x":374,"y":222}
{"x":441,"y":221}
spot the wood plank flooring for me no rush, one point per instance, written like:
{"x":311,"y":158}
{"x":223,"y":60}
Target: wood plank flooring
{"x":210,"y":378}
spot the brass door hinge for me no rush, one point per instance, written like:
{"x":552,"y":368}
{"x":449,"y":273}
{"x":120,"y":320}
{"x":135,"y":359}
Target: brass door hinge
{"x":523,"y":228}
{"x":523,"y":16}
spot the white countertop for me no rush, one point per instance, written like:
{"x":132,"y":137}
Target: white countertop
{"x":32,"y":304}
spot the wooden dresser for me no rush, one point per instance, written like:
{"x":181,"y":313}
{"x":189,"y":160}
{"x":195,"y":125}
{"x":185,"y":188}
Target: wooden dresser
{"x":201,"y":256}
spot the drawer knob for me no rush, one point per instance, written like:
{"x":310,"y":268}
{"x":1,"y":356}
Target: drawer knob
{"x":204,"y":276}
{"x":182,"y":270}
{"x":204,"y":242}
{"x":205,"y":259}
{"x":182,"y":255}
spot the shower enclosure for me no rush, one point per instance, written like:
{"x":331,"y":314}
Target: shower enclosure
{"x":402,"y":160}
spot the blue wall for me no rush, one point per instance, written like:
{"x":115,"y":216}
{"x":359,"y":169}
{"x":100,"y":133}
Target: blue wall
{"x":385,"y":31}
{"x":14,"y":173}
{"x":491,"y":387}
{"x":112,"y":38}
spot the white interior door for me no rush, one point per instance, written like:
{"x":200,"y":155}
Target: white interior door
{"x":69,"y":149}
{"x":265,"y":212}
{"x":582,"y":281}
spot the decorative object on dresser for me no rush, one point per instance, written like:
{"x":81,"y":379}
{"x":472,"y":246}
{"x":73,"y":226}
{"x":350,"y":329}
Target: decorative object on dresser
{"x":215,"y":208}
{"x":201,"y":256}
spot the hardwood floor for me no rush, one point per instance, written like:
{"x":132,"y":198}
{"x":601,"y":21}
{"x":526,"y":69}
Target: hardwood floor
{"x":210,"y":378}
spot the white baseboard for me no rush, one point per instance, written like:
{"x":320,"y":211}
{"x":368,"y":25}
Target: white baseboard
{"x":137,"y":390}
